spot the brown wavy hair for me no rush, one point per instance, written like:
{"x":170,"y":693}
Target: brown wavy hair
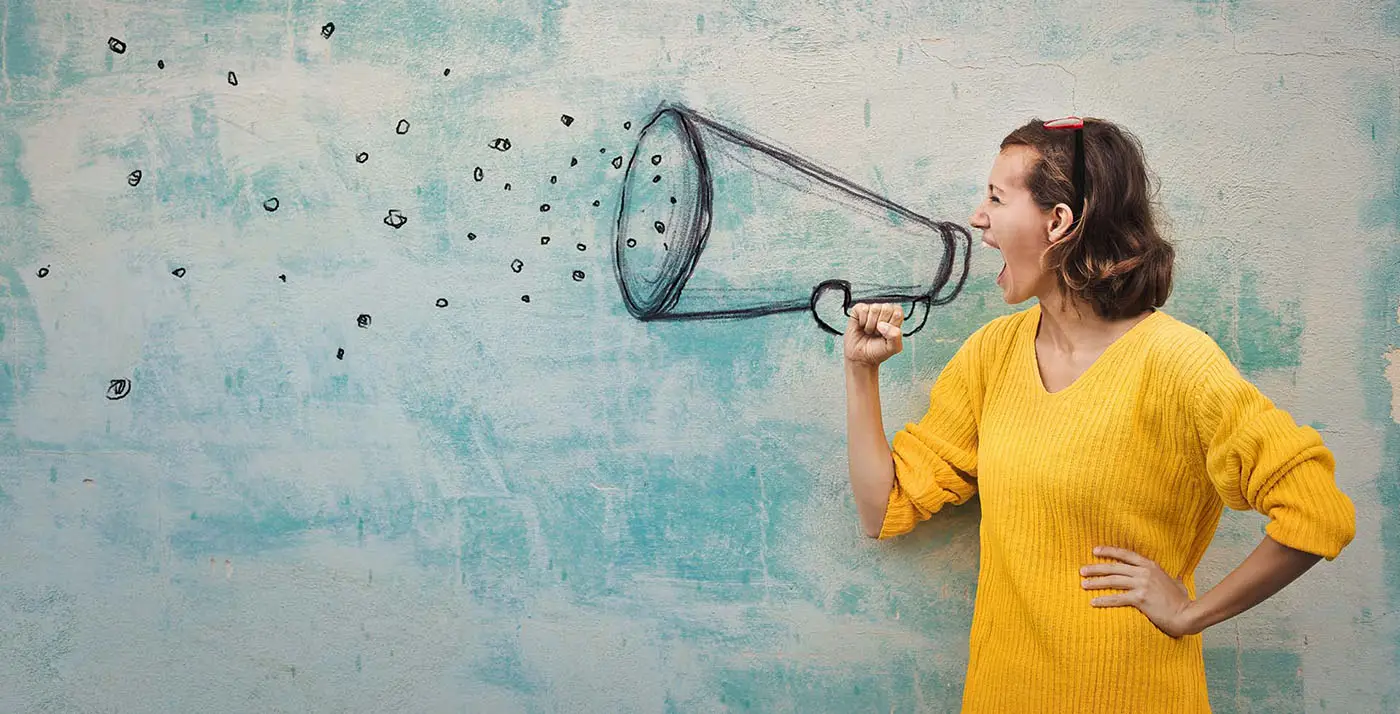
{"x":1114,"y":257}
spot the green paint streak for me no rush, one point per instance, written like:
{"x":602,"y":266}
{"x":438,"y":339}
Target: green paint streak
{"x":21,"y":344}
{"x":867,"y":114}
{"x":1254,"y":681}
{"x":14,"y":188}
{"x":1253,"y":335}
{"x":1379,"y":331}
{"x":699,"y":24}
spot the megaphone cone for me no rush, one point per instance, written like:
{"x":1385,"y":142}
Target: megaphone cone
{"x":715,"y":223}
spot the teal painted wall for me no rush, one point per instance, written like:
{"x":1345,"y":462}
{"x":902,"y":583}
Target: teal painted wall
{"x":499,"y":505}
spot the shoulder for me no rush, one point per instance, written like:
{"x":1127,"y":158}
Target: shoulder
{"x":997,"y":335}
{"x":1183,"y":353}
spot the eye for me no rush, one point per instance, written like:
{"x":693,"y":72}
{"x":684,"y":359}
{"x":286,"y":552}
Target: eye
{"x":994,"y":199}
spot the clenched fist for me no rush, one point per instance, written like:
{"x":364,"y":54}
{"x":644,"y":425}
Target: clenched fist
{"x":873,"y":333}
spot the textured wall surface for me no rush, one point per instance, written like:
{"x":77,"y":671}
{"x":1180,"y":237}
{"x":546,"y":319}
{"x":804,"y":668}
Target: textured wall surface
{"x":221,"y":489}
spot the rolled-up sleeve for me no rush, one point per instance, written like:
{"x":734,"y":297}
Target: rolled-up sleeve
{"x":935,"y":459}
{"x":1258,"y":458}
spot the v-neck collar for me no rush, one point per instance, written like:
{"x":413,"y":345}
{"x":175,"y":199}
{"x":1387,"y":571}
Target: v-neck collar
{"x":1109,"y":353}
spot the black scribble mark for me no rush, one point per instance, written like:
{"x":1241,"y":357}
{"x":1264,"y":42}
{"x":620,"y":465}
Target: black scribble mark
{"x":160,"y":64}
{"x":507,"y":186}
{"x":554,"y":179}
{"x":659,"y":226}
{"x":116,"y":45}
{"x":656,"y":159}
{"x":544,"y":208}
{"x":447,"y":71}
{"x":578,"y":275}
{"x":500,"y":144}
{"x":327,"y":30}
{"x":402,"y":128}
{"x":395,"y":219}
{"x":517,"y":265}
{"x":232,"y":78}
{"x":627,"y":125}
{"x":478,"y":174}
{"x":271,"y":204}
{"x":595,"y":204}
{"x":573,"y":161}
{"x":617,"y":162}
{"x":566,"y":119}
{"x":340,"y":353}
{"x":133,"y":178}
{"x":43,"y":272}
{"x":362,"y":157}
{"x":282,"y":277}
{"x":524,"y":298}
{"x":364,"y":320}
{"x":673,"y":200}
{"x":178,"y":272}
{"x":471,"y":236}
{"x":925,"y":262}
{"x":441,"y":302}
{"x":544,"y":240}
{"x":603,"y":150}
{"x":118,"y":389}
{"x":581,"y":247}
{"x":656,"y":178}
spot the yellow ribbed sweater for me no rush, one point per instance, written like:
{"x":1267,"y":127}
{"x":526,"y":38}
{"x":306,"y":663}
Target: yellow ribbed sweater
{"x":1139,"y":452}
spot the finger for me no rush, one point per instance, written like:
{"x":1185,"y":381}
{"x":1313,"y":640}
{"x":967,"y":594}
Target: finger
{"x":858,"y":312}
{"x":1124,"y":600}
{"x":1122,"y":554}
{"x":887,"y":330}
{"x":898,"y":318}
{"x":1109,"y":569}
{"x":1120,"y":582}
{"x":892,"y":313}
{"x":872,"y":316}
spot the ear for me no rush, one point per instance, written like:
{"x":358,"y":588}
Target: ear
{"x":1059,"y":221}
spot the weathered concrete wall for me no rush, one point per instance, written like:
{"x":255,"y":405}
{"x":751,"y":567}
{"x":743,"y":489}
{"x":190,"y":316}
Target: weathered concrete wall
{"x":499,"y":505}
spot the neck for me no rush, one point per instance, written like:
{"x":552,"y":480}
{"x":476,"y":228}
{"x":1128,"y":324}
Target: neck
{"x":1071,"y":326}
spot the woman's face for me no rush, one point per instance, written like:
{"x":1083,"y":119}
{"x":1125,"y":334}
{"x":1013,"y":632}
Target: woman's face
{"x":1013,"y":224}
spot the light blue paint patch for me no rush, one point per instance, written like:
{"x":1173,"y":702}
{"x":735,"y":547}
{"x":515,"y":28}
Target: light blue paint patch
{"x":1252,"y":334}
{"x":699,"y":24}
{"x":867,"y":114}
{"x":798,"y":687}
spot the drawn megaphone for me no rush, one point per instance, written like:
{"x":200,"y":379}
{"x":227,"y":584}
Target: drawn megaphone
{"x":715,"y":223}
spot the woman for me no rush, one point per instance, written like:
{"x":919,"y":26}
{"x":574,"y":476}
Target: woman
{"x":1102,"y":436}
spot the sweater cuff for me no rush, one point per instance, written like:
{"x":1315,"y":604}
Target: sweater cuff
{"x":1312,"y":515}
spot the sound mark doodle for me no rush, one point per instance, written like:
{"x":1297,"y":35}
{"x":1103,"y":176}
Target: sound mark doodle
{"x":544,"y":240}
{"x":118,"y":389}
{"x":178,"y":272}
{"x":361,"y":157}
{"x":340,"y":353}
{"x":500,"y":144}
{"x":363,"y":320}
{"x":617,"y":162}
{"x":544,"y":208}
{"x":517,"y":265}
{"x":116,"y":45}
{"x":566,"y":119}
{"x":271,"y":205}
{"x":441,"y":302}
{"x":133,"y":178}
{"x":160,"y":64}
{"x":232,"y":78}
{"x":578,"y":275}
{"x":478,"y":174}
{"x":447,"y":71}
{"x":395,"y":219}
{"x":43,"y":272}
{"x":402,"y":128}
{"x":327,"y":30}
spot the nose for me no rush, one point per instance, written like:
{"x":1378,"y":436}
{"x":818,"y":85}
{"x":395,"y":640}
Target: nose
{"x":979,"y":219}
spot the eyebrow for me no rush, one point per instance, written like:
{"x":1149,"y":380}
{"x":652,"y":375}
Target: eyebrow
{"x":994,"y":187}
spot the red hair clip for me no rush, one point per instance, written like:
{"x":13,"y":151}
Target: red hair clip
{"x":1065,"y":123}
